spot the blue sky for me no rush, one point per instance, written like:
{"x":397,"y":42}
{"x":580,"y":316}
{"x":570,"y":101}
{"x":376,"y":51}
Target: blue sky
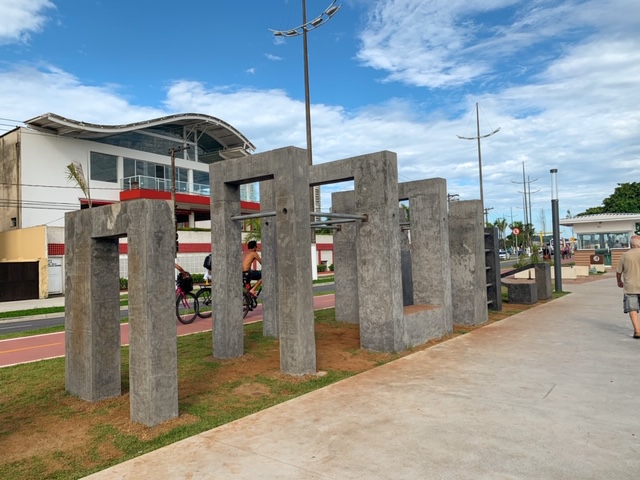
{"x":561,"y":78}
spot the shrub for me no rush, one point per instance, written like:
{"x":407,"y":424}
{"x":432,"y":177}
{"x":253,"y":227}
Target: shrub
{"x":197,"y":277}
{"x":331,"y":267}
{"x":124,"y":284}
{"x":322,"y":268}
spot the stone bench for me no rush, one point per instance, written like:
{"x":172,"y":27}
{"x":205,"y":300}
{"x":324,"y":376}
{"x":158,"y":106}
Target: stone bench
{"x":522,"y":292}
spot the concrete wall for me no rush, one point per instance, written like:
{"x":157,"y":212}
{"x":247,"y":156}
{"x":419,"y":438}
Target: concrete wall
{"x":11,"y":180}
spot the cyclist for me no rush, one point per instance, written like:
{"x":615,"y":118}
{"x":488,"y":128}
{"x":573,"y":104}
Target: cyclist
{"x":248,"y":258}
{"x":207,"y":269}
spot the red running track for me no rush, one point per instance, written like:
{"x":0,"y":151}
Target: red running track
{"x":51,"y":345}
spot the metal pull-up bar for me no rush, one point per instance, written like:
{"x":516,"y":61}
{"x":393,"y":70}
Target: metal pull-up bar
{"x":254,"y":215}
{"x":352,"y":216}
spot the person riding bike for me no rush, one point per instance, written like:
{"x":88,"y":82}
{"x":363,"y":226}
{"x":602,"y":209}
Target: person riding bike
{"x":248,"y":258}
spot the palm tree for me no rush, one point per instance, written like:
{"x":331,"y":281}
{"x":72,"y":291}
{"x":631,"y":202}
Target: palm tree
{"x":75,"y":174}
{"x":501,"y":225}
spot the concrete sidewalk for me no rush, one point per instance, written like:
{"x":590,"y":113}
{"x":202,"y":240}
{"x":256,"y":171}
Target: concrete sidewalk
{"x":551,"y":393}
{"x":57,"y":301}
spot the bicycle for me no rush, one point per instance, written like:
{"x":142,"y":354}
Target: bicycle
{"x":249,"y":302}
{"x":203,"y":296}
{"x":186,"y":302}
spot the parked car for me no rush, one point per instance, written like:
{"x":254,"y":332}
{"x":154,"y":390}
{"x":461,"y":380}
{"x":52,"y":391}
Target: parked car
{"x":503,"y":254}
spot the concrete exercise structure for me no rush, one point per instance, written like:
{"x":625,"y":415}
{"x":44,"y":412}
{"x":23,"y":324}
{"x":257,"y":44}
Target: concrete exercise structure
{"x":371,"y":273}
{"x":288,"y":170}
{"x":92,"y":307}
{"x":384,"y":324}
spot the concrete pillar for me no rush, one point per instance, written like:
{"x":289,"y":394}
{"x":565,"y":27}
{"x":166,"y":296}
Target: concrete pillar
{"x":226,"y":268}
{"x":468,"y":269}
{"x":543,"y":280}
{"x":345,"y":261}
{"x":269,"y":262}
{"x":92,"y":311}
{"x":378,"y":253}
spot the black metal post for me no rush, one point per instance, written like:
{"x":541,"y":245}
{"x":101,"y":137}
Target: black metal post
{"x":555,"y":219}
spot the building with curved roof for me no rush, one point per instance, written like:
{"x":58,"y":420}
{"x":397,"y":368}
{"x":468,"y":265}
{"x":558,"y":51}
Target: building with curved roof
{"x":115,"y":159}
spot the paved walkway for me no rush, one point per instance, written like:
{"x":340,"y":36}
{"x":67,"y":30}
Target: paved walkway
{"x":551,"y":393}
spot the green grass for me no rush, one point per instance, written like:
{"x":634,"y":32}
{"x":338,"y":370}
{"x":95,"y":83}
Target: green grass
{"x":34,"y":394}
{"x":324,"y":279}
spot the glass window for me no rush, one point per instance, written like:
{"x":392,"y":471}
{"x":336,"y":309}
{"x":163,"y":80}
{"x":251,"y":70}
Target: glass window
{"x":201,"y":178}
{"x":104,"y":167}
{"x":129,"y":167}
{"x":589,"y":241}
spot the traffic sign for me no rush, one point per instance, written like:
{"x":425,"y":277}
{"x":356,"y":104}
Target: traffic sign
{"x":516,"y":231}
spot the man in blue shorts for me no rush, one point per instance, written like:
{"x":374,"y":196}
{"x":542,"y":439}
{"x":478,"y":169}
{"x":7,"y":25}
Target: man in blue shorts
{"x":628,"y":277}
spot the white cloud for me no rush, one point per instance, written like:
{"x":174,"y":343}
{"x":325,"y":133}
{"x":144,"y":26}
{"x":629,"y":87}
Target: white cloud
{"x":275,"y":58}
{"x":20,"y":18}
{"x":26,"y":90}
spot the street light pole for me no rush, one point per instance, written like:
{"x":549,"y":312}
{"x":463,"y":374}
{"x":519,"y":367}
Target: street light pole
{"x":307,"y":96}
{"x":323,"y":18}
{"x":555,"y":217}
{"x":478,"y":137}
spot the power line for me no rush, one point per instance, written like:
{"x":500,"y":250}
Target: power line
{"x":54,"y":186}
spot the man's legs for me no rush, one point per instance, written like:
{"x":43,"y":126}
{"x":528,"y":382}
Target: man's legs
{"x":633,"y":315}
{"x":257,"y":275}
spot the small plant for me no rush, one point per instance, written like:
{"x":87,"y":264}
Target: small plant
{"x":197,"y":277}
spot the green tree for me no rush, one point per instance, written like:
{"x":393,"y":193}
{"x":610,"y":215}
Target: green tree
{"x":624,"y":199}
{"x":501,"y":225}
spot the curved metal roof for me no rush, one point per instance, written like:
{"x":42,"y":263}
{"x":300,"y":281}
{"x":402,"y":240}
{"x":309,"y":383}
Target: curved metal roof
{"x":234,"y":143}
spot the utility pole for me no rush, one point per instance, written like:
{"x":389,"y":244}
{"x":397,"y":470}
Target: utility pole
{"x":526,"y":203}
{"x":478,"y":137}
{"x":486,"y":215}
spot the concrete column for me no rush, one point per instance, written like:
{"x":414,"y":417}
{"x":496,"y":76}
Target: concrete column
{"x":543,"y":280}
{"x":345,"y":261}
{"x":92,"y":311}
{"x":378,"y":253}
{"x":226,"y":267}
{"x":269,"y":262}
{"x":468,"y":268}
{"x":153,"y":350}
{"x":295,"y":284}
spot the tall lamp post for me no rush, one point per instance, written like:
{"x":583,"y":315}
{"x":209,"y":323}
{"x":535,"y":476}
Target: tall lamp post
{"x":555,"y":217}
{"x":478,"y":137}
{"x":321,"y":19}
